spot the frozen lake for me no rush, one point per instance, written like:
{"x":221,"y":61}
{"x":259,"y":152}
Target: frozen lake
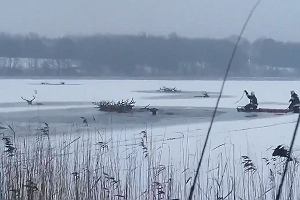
{"x":247,"y":131}
{"x":268,"y":92}
{"x":174,"y":137}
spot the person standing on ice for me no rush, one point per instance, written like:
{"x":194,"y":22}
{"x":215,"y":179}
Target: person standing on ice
{"x":253,"y":101}
{"x":294,"y":105}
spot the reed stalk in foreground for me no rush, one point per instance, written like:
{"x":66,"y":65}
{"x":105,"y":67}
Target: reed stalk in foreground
{"x":95,"y":165}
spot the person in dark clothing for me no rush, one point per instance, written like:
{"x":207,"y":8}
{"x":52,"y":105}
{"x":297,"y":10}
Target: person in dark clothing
{"x":294,"y":102}
{"x":253,"y":101}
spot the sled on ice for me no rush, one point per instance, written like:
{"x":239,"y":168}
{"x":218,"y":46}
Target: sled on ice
{"x":267,"y":110}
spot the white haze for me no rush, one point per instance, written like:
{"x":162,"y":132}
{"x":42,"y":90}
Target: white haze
{"x":192,"y":18}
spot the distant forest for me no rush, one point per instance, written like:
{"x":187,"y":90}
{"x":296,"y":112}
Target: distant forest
{"x":144,"y":56}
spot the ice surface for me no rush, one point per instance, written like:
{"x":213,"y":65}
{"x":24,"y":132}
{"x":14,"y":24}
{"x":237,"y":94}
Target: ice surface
{"x":253,"y":135}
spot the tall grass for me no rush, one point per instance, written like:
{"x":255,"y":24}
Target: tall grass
{"x":96,"y":165}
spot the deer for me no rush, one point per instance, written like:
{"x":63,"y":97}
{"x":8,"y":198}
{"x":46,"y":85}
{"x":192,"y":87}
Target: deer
{"x":29,"y":102}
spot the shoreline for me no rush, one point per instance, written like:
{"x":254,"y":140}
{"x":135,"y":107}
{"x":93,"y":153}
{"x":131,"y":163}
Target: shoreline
{"x":170,"y":78}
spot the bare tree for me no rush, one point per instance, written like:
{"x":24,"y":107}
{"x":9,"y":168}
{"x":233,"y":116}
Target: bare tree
{"x":152,"y":110}
{"x":169,"y":90}
{"x":29,"y":101}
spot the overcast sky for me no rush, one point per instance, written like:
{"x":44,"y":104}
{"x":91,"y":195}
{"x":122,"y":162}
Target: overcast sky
{"x":278,"y":19}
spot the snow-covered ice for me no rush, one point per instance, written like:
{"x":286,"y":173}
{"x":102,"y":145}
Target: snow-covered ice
{"x":250,"y":134}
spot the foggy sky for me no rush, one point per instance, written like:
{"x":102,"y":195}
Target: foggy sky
{"x":278,"y":19}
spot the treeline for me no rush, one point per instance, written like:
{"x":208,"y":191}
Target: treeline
{"x":143,"y":55}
